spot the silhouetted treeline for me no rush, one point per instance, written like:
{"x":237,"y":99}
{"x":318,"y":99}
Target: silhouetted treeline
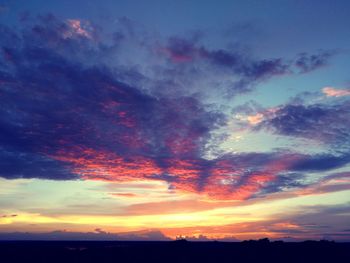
{"x":173,"y":251}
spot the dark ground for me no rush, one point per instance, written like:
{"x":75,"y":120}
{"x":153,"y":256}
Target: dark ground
{"x":172,"y":251}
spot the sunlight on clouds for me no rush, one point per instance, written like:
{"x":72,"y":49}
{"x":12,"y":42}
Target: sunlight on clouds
{"x":334,"y":92}
{"x":256,"y":210}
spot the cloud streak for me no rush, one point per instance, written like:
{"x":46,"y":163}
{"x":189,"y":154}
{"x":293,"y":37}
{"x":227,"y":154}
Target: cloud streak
{"x":244,"y":69}
{"x":333,"y":92}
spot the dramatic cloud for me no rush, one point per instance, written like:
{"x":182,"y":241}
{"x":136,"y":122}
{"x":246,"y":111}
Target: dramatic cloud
{"x":324,"y":123}
{"x":67,"y":115}
{"x":52,"y":105}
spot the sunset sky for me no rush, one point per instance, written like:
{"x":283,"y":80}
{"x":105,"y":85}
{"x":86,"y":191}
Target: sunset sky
{"x":149,"y":120}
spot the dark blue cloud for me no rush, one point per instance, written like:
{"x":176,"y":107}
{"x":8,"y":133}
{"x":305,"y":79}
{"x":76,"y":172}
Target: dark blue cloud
{"x":239,"y":64}
{"x":308,"y":62}
{"x":321,"y":162}
{"x":247,"y":70}
{"x":53,"y":102}
{"x":15,"y":164}
{"x":325,"y":123}
{"x":284,"y":182}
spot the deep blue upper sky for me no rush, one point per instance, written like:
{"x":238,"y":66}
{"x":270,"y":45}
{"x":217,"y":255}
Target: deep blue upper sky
{"x":289,"y":26}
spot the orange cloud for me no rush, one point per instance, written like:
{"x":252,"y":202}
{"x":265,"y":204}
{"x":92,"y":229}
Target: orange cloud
{"x":124,"y":194}
{"x":108,"y":166}
{"x":218,"y":180}
{"x":255,"y":119}
{"x":258,"y":117}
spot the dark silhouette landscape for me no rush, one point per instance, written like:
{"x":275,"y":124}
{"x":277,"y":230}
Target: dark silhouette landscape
{"x":173,"y":251}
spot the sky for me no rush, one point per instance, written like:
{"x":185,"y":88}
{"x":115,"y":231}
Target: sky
{"x":154,"y":120}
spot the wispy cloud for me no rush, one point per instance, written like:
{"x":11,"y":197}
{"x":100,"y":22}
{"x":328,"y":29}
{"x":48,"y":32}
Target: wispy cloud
{"x":324,"y":123}
{"x":334,"y":92}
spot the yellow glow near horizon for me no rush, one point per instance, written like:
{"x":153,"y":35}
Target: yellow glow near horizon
{"x":59,"y":210}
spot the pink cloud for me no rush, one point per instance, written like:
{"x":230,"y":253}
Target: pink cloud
{"x":255,"y":119}
{"x":258,"y":117}
{"x":174,"y":57}
{"x":333,"y":92}
{"x":77,"y":27}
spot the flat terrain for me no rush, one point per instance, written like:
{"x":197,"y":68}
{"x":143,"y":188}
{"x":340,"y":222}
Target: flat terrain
{"x":172,"y":251}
